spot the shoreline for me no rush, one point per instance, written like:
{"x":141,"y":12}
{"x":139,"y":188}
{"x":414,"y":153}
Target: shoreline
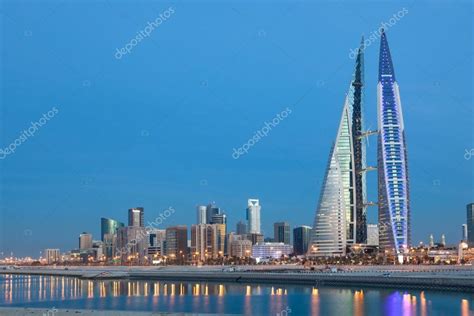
{"x":27,"y":311}
{"x":460,"y":278}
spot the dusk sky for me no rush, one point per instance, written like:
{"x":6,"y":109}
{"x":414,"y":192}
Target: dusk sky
{"x":157,"y":127}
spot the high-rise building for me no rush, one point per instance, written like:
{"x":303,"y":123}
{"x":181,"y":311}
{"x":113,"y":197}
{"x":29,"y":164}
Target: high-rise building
{"x":211,"y":210}
{"x":470,"y":223}
{"x":132,"y":244}
{"x":136,"y":217}
{"x":393,"y":185}
{"x":464,"y":232}
{"x":241,"y":228}
{"x":204,"y":242}
{"x":443,"y":240}
{"x":219,"y":219}
{"x":342,"y":199}
{"x":110,"y":245}
{"x":431,"y":240}
{"x":281,"y":232}
{"x":301,"y":238}
{"x":52,"y":255}
{"x":156,"y":242}
{"x":253,"y":216}
{"x":201,"y":214}
{"x":109,"y":226}
{"x":85,"y":241}
{"x":372,"y":234}
{"x":177,"y":242}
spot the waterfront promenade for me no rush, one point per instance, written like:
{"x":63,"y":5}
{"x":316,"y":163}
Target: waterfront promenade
{"x":459,"y":278}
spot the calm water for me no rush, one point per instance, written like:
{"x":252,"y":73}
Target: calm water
{"x":254,"y":299}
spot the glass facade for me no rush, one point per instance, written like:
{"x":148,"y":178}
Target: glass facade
{"x":393,"y":186}
{"x":109,"y":226}
{"x":340,"y":219}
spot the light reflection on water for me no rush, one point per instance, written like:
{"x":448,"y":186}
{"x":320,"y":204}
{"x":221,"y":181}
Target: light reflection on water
{"x":255,"y":299}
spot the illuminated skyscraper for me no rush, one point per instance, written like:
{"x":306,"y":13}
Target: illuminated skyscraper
{"x":341,"y":209}
{"x":135,"y":217}
{"x":253,"y":216}
{"x":393,"y":186}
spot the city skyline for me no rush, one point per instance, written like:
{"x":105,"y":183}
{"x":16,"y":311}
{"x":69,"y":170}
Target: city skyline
{"x":152,"y":130}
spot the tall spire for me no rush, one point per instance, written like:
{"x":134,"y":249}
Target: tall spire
{"x":393,"y":184}
{"x":385,"y":59}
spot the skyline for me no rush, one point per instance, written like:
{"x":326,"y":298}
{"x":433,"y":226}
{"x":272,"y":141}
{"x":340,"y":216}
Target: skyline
{"x":102,"y":153}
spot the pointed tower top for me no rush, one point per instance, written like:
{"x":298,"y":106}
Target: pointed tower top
{"x":385,"y":59}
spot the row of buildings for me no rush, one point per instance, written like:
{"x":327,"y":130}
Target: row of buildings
{"x":340,"y":222}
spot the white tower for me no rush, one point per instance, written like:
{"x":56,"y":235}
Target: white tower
{"x":253,"y":216}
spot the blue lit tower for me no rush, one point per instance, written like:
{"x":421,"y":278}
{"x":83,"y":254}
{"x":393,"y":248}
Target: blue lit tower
{"x":393,"y":186}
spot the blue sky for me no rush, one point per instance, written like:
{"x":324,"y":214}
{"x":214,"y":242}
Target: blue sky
{"x":157,"y":127}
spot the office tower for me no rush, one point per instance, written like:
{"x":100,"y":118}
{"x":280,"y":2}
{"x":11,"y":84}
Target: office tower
{"x":109,"y":226}
{"x":443,"y":240}
{"x":201,"y":214}
{"x":221,"y":233}
{"x":470,"y":223}
{"x":464,"y":232}
{"x":52,"y":256}
{"x":219,"y":219}
{"x":110,"y":245}
{"x":281,"y":232}
{"x":204,"y":242}
{"x":85,"y":241}
{"x":301,"y":238}
{"x":241,"y":248}
{"x":156,"y":241}
{"x":241,"y":228}
{"x":393,"y":186}
{"x":340,"y":217}
{"x":431,"y":241}
{"x":253,"y":216}
{"x":211,"y":210}
{"x":372,"y":235}
{"x":135,"y":217}
{"x":177,"y":242}
{"x":132,"y":244}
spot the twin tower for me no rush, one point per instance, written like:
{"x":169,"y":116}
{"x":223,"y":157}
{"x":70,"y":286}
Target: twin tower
{"x":340,"y":219}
